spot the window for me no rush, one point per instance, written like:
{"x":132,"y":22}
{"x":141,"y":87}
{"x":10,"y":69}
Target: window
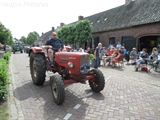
{"x":112,"y":40}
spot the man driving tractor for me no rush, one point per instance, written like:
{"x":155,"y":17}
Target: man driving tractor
{"x":53,"y":45}
{"x":70,"y":67}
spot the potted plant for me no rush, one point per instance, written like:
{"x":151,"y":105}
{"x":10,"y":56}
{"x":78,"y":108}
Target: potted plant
{"x":92,"y":60}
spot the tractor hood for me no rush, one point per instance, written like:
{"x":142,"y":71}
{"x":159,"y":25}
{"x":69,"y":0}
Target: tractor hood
{"x":75,"y":62}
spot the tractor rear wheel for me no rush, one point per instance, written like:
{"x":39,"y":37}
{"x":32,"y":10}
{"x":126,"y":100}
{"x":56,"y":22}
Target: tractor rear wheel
{"x":98,"y":83}
{"x":57,"y":88}
{"x":37,"y":68}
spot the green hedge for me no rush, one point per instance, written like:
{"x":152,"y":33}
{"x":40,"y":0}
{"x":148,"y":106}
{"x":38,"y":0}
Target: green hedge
{"x":4,"y":77}
{"x":7,"y":56}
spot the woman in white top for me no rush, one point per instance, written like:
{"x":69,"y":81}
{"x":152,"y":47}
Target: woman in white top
{"x":154,"y":55}
{"x":133,"y":55}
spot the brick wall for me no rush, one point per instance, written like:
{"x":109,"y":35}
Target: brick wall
{"x":136,"y":31}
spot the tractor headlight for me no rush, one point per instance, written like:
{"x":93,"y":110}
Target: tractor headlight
{"x":70,"y":64}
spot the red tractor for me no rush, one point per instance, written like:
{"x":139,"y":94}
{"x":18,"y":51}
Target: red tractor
{"x":69,"y":67}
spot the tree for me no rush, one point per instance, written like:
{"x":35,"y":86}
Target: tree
{"x":8,"y":37}
{"x":5,"y":35}
{"x":1,"y":33}
{"x":67,"y":34}
{"x":32,"y":37}
{"x":71,"y":36}
{"x":23,"y":39}
{"x":83,"y":31}
{"x":63,"y":34}
{"x":80,"y":33}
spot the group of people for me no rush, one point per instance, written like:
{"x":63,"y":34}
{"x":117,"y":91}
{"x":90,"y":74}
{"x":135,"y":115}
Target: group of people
{"x":54,"y":44}
{"x":112,"y":54}
{"x":143,"y":57}
{"x":88,"y":50}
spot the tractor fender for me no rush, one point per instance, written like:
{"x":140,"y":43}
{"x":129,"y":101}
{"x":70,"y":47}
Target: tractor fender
{"x":36,"y":50}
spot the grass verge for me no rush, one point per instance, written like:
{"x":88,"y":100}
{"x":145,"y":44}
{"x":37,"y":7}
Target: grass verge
{"x":4,"y":110}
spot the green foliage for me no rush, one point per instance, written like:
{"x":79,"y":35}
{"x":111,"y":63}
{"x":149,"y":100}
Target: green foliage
{"x":63,"y":33}
{"x":7,"y":56}
{"x":23,"y":39}
{"x":81,"y":32}
{"x":91,"y":56}
{"x":32,"y":37}
{"x":3,"y":78}
{"x":4,"y":75}
{"x":67,"y":34}
{"x":5,"y":35}
{"x":4,"y":115}
{"x":71,"y":36}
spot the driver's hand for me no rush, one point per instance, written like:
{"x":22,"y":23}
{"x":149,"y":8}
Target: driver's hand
{"x":43,"y":47}
{"x":50,"y":47}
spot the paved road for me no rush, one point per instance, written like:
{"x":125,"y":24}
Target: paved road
{"x":128,"y":95}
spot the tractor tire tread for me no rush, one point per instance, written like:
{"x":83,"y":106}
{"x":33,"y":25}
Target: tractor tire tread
{"x":101,"y":81}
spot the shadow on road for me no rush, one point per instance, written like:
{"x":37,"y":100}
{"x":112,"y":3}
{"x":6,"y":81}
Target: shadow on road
{"x":154,"y":74}
{"x":97,"y":96}
{"x":41,"y":97}
{"x":118,"y":68}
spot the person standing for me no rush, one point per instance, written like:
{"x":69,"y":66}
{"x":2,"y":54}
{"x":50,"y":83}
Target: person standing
{"x":97,"y":55}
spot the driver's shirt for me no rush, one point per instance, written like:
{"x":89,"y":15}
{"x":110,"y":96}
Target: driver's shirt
{"x":55,"y":43}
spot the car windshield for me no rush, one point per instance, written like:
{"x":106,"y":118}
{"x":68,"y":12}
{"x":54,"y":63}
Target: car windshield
{"x":16,"y":44}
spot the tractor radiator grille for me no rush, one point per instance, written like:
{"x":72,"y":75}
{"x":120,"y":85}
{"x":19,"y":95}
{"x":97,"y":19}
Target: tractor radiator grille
{"x":85,"y":63}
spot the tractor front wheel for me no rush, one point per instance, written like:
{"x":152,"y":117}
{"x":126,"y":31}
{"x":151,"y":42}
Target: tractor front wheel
{"x":97,"y":84}
{"x":57,"y":88}
{"x":37,"y":68}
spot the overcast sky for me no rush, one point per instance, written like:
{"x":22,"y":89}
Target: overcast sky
{"x":24,"y":16}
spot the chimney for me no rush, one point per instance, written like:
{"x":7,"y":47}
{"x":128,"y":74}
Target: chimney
{"x":80,"y":18}
{"x":61,"y":24}
{"x":128,"y":2}
{"x":52,"y":28}
{"x":42,"y":33}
